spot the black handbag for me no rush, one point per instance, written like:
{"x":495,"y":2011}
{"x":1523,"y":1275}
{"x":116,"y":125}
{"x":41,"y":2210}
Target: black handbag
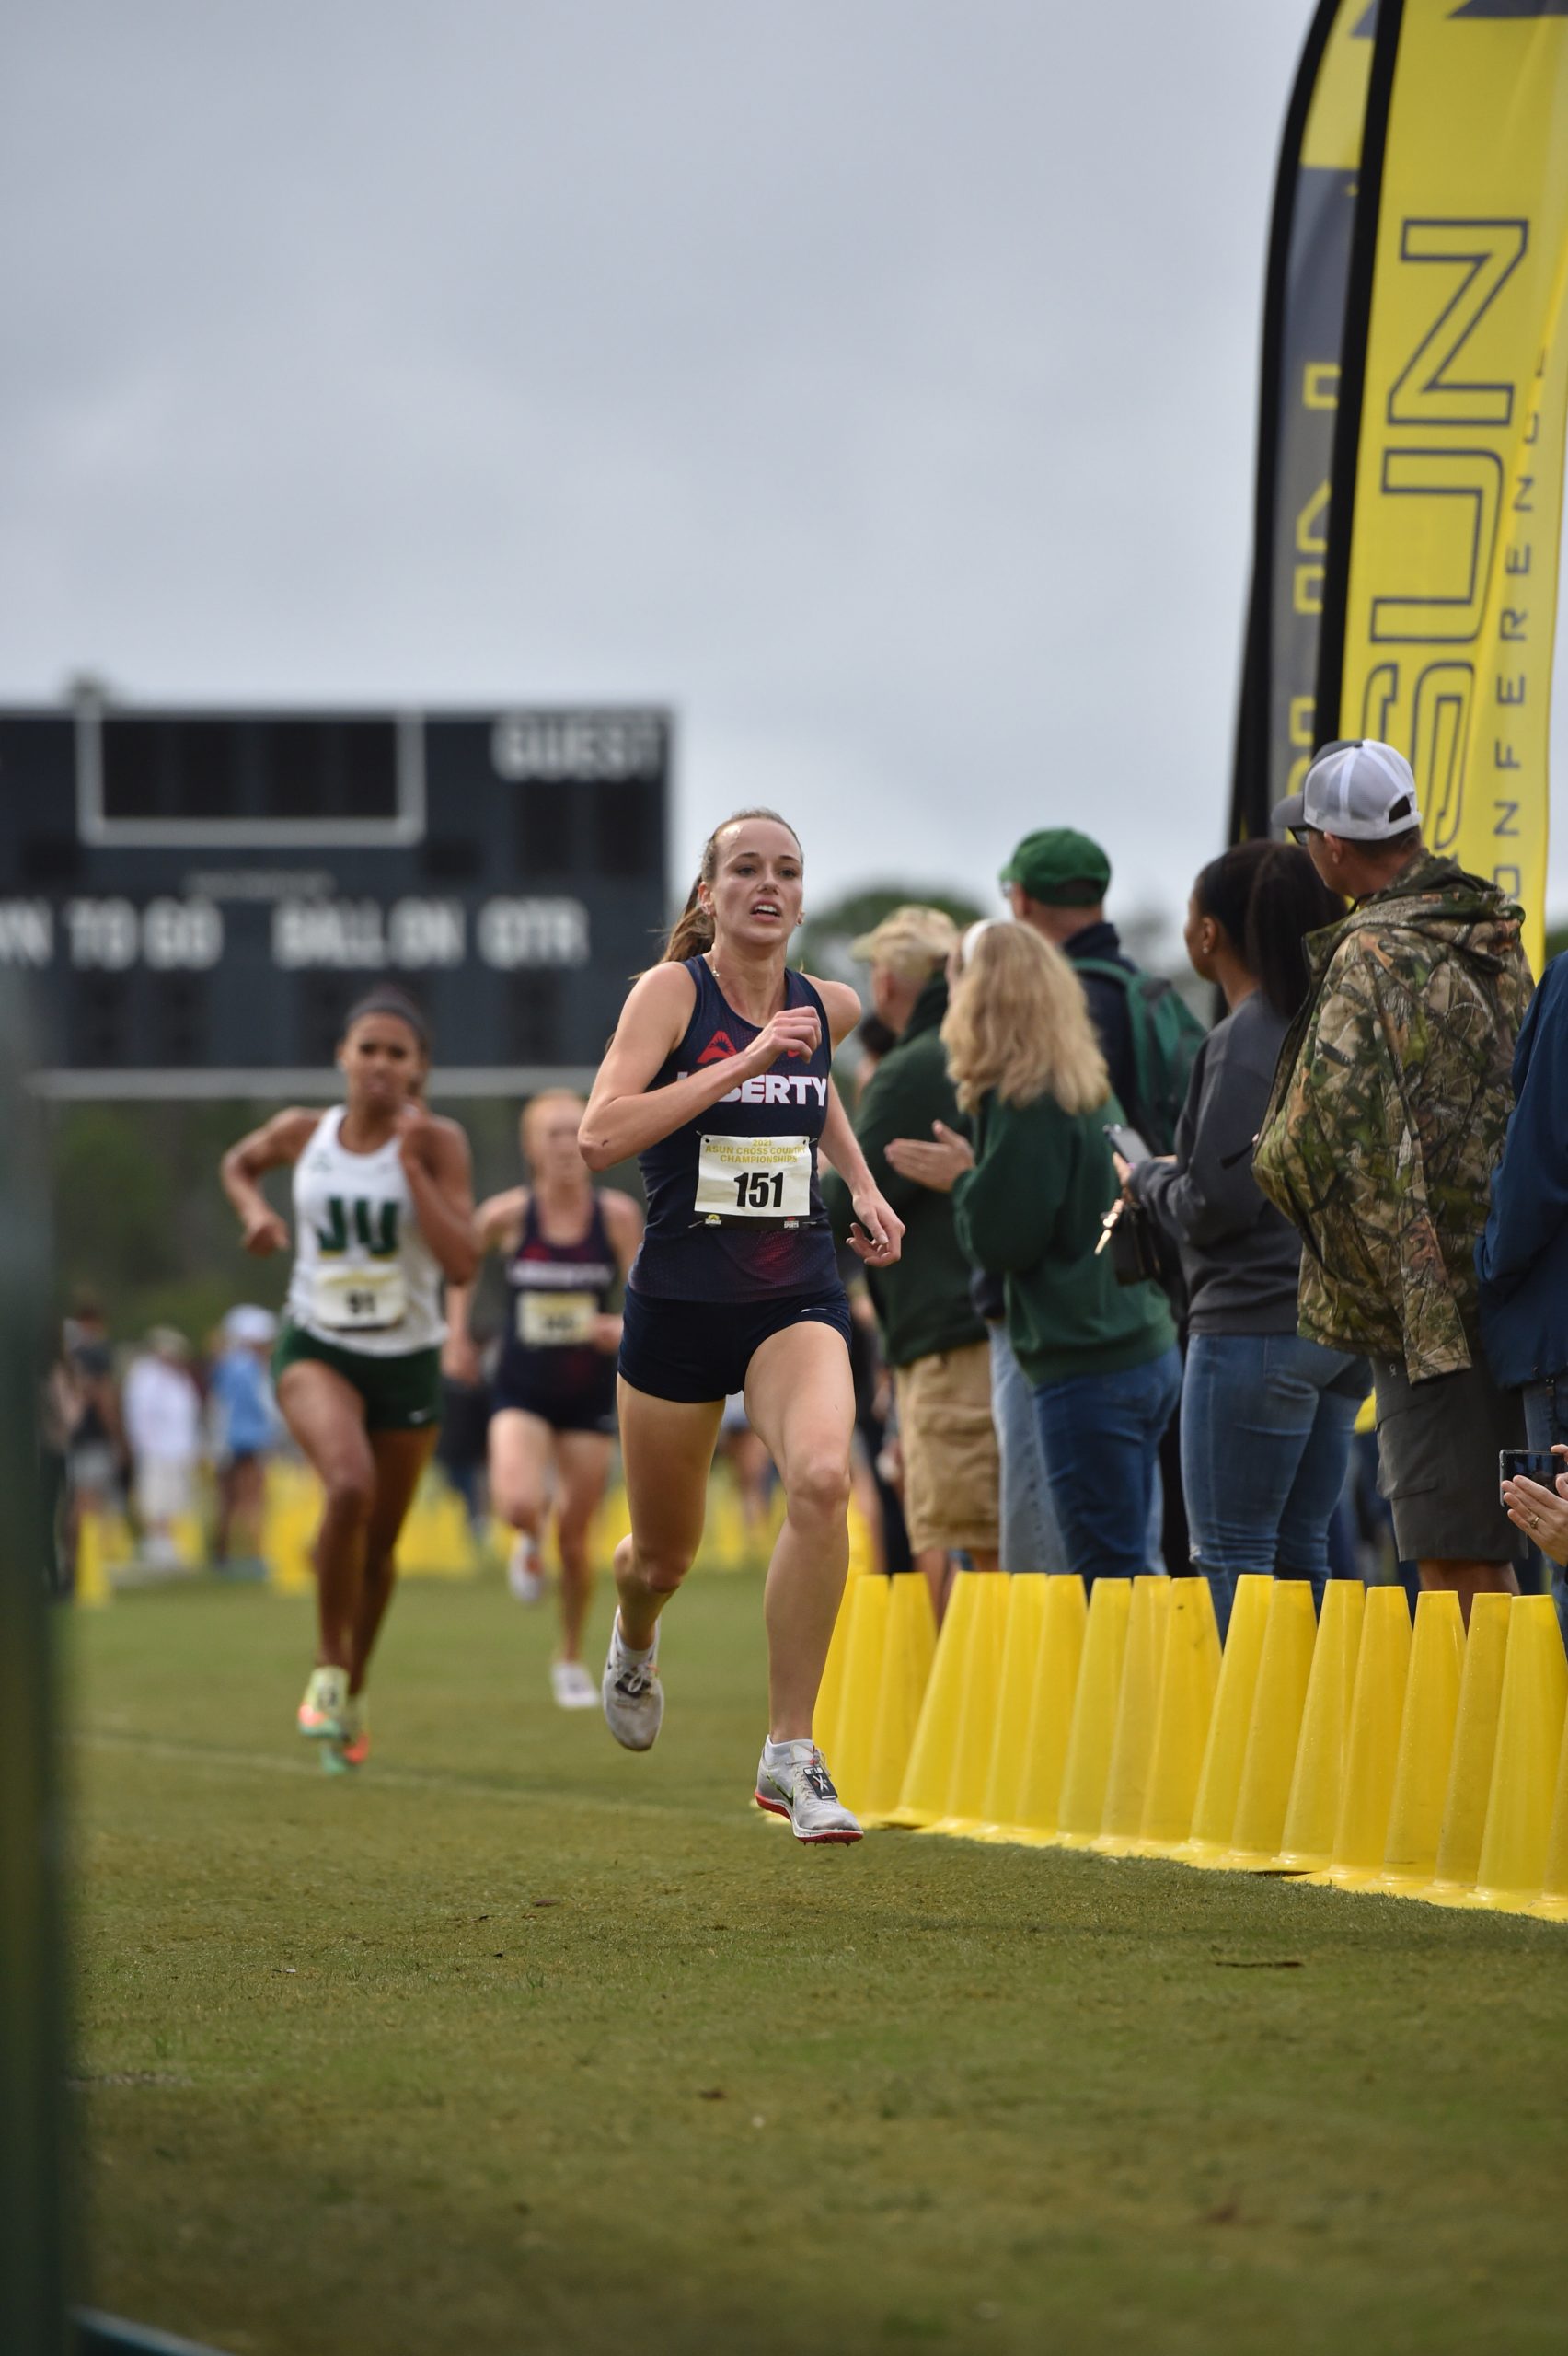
{"x":1141,"y":1251}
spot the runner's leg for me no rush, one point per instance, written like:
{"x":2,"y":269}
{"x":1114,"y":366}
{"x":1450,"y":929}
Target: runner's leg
{"x":519,"y":1470}
{"x":325,"y":1415}
{"x":667,"y":1450}
{"x":582,"y":1460}
{"x":801,"y":1400}
{"x":399,"y":1459}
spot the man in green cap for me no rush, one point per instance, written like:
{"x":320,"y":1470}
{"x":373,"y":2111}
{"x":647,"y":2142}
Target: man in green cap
{"x":1057,"y":881}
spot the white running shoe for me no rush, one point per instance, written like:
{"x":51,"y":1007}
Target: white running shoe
{"x":525,"y":1572}
{"x":793,"y":1780}
{"x":633,"y":1697}
{"x":323,"y":1716}
{"x":572,"y":1687}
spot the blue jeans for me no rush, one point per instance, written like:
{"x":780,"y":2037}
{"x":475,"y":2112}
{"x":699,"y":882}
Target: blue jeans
{"x":1030,"y":1537}
{"x":1099,"y":1433}
{"x":1546,"y":1426}
{"x":1266,"y":1425}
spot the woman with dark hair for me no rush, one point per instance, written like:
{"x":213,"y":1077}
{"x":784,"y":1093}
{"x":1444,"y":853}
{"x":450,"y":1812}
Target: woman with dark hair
{"x":1266,"y":1417}
{"x":718,"y":1079}
{"x":383,"y":1207}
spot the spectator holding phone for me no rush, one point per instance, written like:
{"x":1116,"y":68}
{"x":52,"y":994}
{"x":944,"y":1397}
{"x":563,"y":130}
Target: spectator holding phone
{"x":1522,"y":1258}
{"x":1266,"y":1416}
{"x":1541,"y":1512}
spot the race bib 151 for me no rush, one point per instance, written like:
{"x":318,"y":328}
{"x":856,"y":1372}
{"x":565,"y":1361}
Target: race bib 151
{"x":753,"y":1178}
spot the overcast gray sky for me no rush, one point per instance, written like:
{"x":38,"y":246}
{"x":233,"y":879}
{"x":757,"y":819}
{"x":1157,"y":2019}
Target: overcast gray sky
{"x":872,"y":380}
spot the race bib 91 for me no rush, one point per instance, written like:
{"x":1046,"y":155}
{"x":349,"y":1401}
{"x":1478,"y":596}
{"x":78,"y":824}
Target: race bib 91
{"x":753,"y":1178}
{"x":360,"y":1300}
{"x":555,"y":1320}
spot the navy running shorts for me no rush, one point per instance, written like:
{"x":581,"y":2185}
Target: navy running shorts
{"x":590,"y":1410}
{"x":695,"y":1351}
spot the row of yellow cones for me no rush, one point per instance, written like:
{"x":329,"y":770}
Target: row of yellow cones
{"x":1351,"y":1751}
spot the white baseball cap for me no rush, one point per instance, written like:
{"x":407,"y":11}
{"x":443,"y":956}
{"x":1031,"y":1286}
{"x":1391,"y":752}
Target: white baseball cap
{"x":249,"y":1324}
{"x":1362,"y":790}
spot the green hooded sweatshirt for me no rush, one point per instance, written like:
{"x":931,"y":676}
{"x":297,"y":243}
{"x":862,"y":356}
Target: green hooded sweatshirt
{"x":1031,"y":1210}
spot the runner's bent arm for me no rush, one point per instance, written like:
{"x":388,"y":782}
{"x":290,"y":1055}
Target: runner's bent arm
{"x":282,"y":1140}
{"x":623,"y":1225}
{"x":878,"y":1238}
{"x":623,"y":1119}
{"x":436,"y":1163}
{"x":495,"y":1224}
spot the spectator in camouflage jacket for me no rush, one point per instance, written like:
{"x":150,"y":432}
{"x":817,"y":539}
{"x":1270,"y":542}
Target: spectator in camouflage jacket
{"x":1386,"y":1117}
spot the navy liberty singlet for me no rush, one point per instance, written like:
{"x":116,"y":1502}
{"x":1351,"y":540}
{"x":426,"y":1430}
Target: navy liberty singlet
{"x":548,"y":1367}
{"x":734,"y":1207}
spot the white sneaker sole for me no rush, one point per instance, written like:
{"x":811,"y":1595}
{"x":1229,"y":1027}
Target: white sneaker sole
{"x":839,"y":1835}
{"x":579,"y":1698}
{"x":640,"y":1736}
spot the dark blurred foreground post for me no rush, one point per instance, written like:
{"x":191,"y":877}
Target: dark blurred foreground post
{"x":32,"y":2208}
{"x":34,"y":2211}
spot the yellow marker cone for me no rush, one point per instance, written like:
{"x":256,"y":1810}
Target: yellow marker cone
{"x":1086,"y":1770}
{"x":1382,"y":1674}
{"x":862,"y":1553}
{"x":850,"y":1757}
{"x":923,"y":1797}
{"x":1220,"y":1781}
{"x":91,"y":1585}
{"x":1427,"y":1744}
{"x":1057,"y":1668}
{"x":1312,"y":1810}
{"x":293,"y":1511}
{"x":1181,"y":1719}
{"x":1132,"y":1747}
{"x":965,"y":1799}
{"x":1475,"y":1750}
{"x":826,"y":1714}
{"x":1512,"y":1874}
{"x":1274,"y":1732}
{"x":1015,"y":1703}
{"x":906,"y":1671}
{"x":1551,"y":1906}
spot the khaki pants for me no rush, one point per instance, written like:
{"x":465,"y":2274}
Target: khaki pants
{"x":952,"y":1470}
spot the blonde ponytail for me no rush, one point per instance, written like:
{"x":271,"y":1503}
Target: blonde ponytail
{"x":692,"y":932}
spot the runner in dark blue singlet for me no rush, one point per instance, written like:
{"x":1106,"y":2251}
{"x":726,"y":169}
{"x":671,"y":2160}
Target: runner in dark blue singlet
{"x":551,"y":1365}
{"x":566,"y":1246}
{"x":719,"y":1079}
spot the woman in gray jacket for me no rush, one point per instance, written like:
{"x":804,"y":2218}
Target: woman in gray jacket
{"x":1266,"y":1417}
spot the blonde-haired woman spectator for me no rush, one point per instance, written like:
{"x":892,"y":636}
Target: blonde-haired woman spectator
{"x":1030,"y":1197}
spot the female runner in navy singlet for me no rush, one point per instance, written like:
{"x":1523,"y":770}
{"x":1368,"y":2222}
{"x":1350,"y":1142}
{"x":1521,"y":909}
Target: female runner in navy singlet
{"x":566,"y":1245}
{"x":718,"y":1079}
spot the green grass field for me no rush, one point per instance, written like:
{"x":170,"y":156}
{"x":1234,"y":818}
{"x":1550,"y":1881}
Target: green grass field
{"x":519,"y":2043}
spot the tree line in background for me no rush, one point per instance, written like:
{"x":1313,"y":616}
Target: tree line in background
{"x":141,"y":1223}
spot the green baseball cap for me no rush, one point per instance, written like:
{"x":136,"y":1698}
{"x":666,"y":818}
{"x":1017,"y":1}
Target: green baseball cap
{"x":1060,"y":867}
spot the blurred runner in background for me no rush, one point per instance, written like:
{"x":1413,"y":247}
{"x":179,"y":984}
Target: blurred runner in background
{"x":566,"y":1248}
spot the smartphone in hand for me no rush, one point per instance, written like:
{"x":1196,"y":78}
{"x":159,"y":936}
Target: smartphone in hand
{"x":1127,"y":1143}
{"x":1527,"y":1464}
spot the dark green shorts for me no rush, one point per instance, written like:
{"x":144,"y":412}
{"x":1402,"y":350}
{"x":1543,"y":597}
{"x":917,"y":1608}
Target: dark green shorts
{"x":400,"y":1394}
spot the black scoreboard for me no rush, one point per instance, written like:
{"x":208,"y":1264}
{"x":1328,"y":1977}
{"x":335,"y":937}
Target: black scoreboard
{"x":195,"y":897}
